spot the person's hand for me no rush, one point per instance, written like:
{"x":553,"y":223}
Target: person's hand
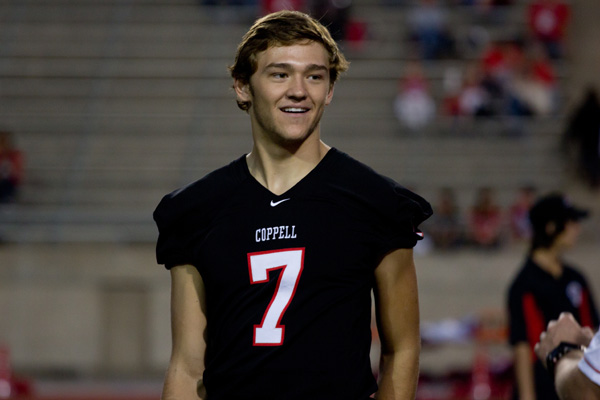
{"x":565,"y":329}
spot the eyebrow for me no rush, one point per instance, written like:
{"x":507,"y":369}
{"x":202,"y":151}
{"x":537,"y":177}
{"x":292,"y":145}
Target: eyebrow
{"x":288,"y":67}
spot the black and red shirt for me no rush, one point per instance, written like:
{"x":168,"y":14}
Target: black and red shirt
{"x":288,"y":278}
{"x":535,"y":298}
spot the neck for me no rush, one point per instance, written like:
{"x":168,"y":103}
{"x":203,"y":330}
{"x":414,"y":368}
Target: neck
{"x":279,"y":169}
{"x":549,"y":261}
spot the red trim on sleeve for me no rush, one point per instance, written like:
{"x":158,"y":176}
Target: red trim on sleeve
{"x":589,"y":363}
{"x":584,"y":310}
{"x":534,"y":321}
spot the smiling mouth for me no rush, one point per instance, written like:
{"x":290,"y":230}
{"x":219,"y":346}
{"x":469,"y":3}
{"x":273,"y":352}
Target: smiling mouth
{"x":295,"y":110}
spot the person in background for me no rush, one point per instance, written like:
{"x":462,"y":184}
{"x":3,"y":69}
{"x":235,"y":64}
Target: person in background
{"x":548,"y":21}
{"x":428,"y":27}
{"x":533,"y":86}
{"x":446,"y":227}
{"x":485,"y":224}
{"x":543,"y":288}
{"x":414,"y":106}
{"x":473,"y":98}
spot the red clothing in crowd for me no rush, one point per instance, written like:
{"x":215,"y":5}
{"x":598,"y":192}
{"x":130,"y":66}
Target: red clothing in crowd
{"x":548,"y":19}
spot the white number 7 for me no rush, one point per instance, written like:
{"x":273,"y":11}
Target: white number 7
{"x":269,"y":332}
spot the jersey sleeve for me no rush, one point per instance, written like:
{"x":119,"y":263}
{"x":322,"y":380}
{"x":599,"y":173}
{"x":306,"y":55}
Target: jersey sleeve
{"x":179,"y":219}
{"x":588,"y":310}
{"x":409,"y":211}
{"x":171,"y":249}
{"x":183,"y":217}
{"x":590,"y":363}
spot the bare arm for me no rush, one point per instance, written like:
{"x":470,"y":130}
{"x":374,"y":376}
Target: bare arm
{"x":183,"y":380}
{"x":397,"y":306}
{"x":571,"y":383}
{"x":524,"y":371}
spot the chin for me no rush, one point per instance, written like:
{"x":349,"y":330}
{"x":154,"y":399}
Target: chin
{"x":295,"y":136}
{"x":290,"y":143}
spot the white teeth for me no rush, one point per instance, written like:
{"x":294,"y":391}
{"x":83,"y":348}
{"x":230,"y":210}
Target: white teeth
{"x":295,"y":110}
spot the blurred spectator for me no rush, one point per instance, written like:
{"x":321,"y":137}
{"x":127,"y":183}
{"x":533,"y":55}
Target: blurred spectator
{"x":508,"y":79}
{"x":11,"y":168}
{"x":485,"y":220}
{"x":583,"y":132}
{"x":473,"y":98}
{"x":548,"y":20}
{"x":540,"y":64}
{"x":505,"y":81}
{"x":428,"y":30}
{"x":357,"y":33}
{"x":520,"y":227}
{"x":452,"y":86}
{"x":414,"y":106}
{"x":445,"y":226}
{"x":534,"y":86}
{"x":334,"y":14}
{"x":502,"y":61}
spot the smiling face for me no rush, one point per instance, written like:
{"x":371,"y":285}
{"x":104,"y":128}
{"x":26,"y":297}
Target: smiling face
{"x":288,"y":93}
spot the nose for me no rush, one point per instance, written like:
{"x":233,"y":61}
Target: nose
{"x":297,"y":90}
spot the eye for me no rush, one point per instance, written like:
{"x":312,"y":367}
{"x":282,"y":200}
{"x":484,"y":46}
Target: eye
{"x":279,"y":75}
{"x":316,"y":77}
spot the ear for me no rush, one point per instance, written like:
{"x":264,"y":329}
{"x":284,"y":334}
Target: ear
{"x":550,"y":228}
{"x":242,"y":90}
{"x":329,"y":95}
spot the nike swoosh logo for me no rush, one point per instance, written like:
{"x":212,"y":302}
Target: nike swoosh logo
{"x":276,"y":203}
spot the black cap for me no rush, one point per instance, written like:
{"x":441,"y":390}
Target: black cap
{"x":554,"y":208}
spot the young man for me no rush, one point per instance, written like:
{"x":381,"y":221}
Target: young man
{"x":544,"y":288}
{"x":273,"y":257}
{"x":571,"y":353}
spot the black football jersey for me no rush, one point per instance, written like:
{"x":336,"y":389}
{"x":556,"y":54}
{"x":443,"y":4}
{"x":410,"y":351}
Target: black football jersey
{"x":288,"y":278}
